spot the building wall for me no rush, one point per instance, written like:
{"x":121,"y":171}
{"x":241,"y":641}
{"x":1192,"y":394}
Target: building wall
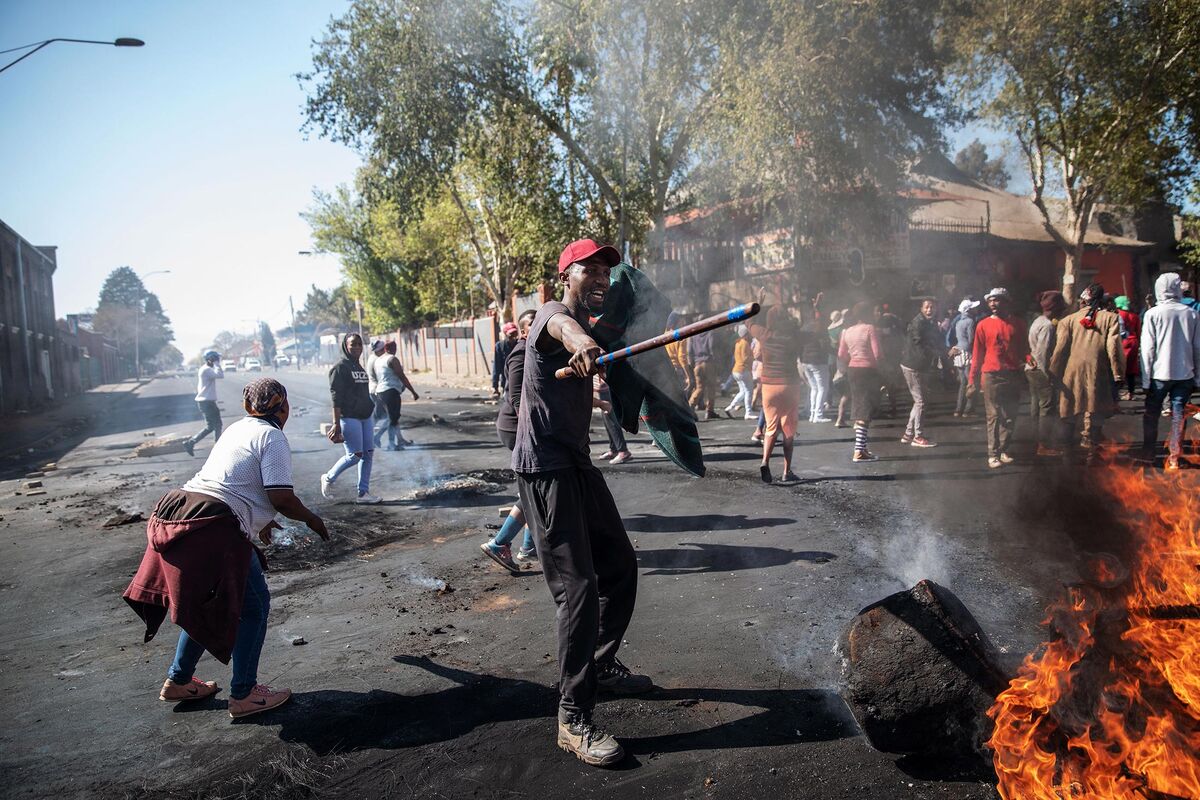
{"x":31,"y":357}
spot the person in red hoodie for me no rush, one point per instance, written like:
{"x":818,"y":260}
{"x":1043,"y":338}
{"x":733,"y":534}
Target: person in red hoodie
{"x":998,"y":358}
{"x":201,"y":565}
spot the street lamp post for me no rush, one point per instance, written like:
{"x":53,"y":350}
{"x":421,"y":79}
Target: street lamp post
{"x":124,"y":41}
{"x":137,"y":322}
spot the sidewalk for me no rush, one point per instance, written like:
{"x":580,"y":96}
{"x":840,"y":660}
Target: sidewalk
{"x":32,"y":438}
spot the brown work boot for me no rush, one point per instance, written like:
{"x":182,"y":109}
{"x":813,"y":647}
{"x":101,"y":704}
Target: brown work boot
{"x":589,"y":744}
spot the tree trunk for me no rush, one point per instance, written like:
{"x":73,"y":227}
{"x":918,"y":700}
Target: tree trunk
{"x":1071,"y":266}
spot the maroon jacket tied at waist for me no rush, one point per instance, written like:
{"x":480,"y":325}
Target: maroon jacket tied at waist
{"x":197,"y":568}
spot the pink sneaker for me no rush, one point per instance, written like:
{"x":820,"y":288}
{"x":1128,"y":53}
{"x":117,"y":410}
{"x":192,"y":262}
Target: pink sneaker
{"x":195,"y":689}
{"x":261,"y":698}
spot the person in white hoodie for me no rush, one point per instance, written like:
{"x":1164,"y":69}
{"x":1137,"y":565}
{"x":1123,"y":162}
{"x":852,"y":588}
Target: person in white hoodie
{"x":1170,"y":353}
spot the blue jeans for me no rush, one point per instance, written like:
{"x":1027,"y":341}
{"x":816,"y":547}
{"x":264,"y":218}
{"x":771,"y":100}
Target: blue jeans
{"x":1179,"y":392}
{"x":252,"y":631}
{"x":817,"y":376}
{"x":360,"y":450}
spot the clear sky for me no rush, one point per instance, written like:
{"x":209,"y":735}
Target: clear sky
{"x":185,"y":154}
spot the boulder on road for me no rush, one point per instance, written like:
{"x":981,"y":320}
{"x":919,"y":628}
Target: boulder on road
{"x":919,"y":674}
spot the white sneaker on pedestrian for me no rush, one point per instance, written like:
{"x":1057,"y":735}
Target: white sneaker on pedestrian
{"x":993,"y":463}
{"x":1005,"y":458}
{"x":621,"y":457}
{"x":326,"y":488}
{"x":368,"y":499}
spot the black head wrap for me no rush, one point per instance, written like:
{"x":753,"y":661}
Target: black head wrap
{"x":1093,"y":298}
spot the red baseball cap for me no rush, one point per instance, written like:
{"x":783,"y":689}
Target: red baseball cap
{"x":584,"y":249}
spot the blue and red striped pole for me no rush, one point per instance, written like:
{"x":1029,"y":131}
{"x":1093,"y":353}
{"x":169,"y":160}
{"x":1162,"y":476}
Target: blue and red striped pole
{"x":735,"y":314}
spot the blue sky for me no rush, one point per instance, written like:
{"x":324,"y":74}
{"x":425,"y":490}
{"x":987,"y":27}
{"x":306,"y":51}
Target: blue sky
{"x":185,"y":154}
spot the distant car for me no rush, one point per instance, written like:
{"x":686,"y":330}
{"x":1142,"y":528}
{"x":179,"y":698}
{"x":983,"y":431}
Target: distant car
{"x":229,"y":365}
{"x":253,"y":365}
{"x":282,"y":360}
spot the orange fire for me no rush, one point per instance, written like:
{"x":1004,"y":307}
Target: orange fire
{"x":1110,"y":707}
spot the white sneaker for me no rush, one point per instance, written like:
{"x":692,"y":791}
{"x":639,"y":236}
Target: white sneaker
{"x":326,"y":488}
{"x":994,"y":463}
{"x":368,"y":499}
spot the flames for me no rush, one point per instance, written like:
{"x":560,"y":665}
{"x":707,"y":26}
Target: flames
{"x":1110,"y":707}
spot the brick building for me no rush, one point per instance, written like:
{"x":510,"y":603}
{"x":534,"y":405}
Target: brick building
{"x":31,"y":351}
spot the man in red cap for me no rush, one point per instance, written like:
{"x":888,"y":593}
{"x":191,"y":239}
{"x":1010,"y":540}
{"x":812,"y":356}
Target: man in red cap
{"x":508,"y":340}
{"x":586,"y":555}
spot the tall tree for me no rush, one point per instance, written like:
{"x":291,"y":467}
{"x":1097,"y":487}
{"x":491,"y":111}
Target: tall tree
{"x":621,"y":87}
{"x":1102,"y":96}
{"x":131,"y":316}
{"x":974,"y":162}
{"x":267,"y":338}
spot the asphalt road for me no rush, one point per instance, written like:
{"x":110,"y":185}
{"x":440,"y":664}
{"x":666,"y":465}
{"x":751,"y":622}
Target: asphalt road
{"x":403,"y":690}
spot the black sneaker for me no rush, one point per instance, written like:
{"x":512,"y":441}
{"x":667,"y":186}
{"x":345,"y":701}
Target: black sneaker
{"x":614,"y":677}
{"x":589,"y":744}
{"x":189,"y":447}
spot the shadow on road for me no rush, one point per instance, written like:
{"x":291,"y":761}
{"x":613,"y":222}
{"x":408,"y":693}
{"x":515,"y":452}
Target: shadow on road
{"x":660,"y":523}
{"x":338,"y":721}
{"x":722,"y":558}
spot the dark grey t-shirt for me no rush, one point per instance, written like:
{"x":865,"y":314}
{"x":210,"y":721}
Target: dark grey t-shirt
{"x":553,"y":420}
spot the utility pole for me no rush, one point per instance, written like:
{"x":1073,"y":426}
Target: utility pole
{"x":358,"y":305}
{"x":295,"y":336}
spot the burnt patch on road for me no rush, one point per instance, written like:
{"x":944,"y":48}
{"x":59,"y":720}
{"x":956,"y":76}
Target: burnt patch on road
{"x":351,"y":531}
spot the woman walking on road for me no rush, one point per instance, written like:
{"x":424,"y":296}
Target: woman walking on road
{"x":781,"y":386}
{"x":352,"y":412}
{"x":391,"y":380}
{"x":742,"y":375}
{"x":201,"y":563}
{"x":861,"y":352}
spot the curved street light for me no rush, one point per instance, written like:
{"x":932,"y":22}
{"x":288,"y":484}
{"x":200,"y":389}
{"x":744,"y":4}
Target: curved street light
{"x":124,"y":41}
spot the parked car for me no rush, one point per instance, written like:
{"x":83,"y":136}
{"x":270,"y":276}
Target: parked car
{"x":253,"y":365}
{"x":282,"y":360}
{"x":229,"y":365}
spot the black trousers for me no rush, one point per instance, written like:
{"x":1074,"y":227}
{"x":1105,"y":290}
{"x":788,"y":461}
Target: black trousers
{"x":590,"y":568}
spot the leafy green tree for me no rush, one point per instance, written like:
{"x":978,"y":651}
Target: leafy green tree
{"x":836,"y":100}
{"x":267,"y":338}
{"x":1102,"y":96}
{"x":974,"y":162}
{"x":132,"y":316}
{"x":168,"y":357}
{"x":332,"y":308}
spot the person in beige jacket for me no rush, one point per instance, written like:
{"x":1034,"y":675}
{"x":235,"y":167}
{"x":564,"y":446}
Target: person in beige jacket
{"x":1087,"y":365}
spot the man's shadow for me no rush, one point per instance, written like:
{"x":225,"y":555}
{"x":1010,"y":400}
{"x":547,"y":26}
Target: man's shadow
{"x":711,"y":557}
{"x":331,"y":721}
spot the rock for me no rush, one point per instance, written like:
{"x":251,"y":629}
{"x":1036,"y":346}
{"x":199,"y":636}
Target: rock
{"x":919,"y":674}
{"x":159,"y":447}
{"x":298,"y":640}
{"x":123,"y":519}
{"x":31,"y":485}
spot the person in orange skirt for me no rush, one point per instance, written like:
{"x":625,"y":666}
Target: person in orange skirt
{"x":780,"y":347}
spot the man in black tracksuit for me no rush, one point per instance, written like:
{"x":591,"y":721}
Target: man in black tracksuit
{"x":586,"y":555}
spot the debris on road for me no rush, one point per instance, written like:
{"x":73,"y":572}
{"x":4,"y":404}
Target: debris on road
{"x":160,"y":447}
{"x":920,"y":674}
{"x":123,"y":519}
{"x":299,"y":640}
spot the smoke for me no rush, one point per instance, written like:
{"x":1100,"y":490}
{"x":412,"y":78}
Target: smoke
{"x":914,"y":552}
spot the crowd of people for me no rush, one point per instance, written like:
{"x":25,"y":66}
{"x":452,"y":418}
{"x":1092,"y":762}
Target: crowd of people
{"x":843,"y":367}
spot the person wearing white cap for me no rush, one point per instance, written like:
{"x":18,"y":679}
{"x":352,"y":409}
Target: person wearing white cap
{"x":997,"y":361}
{"x":961,"y":341}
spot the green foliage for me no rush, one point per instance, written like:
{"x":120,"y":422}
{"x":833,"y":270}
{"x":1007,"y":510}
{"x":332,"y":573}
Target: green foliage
{"x":333,"y":309}
{"x":131,"y":316}
{"x":974,"y":162}
{"x":1101,"y":94}
{"x":168,"y":357}
{"x":268,"y":342}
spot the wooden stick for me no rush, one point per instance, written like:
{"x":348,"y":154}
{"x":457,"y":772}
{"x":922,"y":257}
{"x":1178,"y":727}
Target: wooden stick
{"x":736,"y":314}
